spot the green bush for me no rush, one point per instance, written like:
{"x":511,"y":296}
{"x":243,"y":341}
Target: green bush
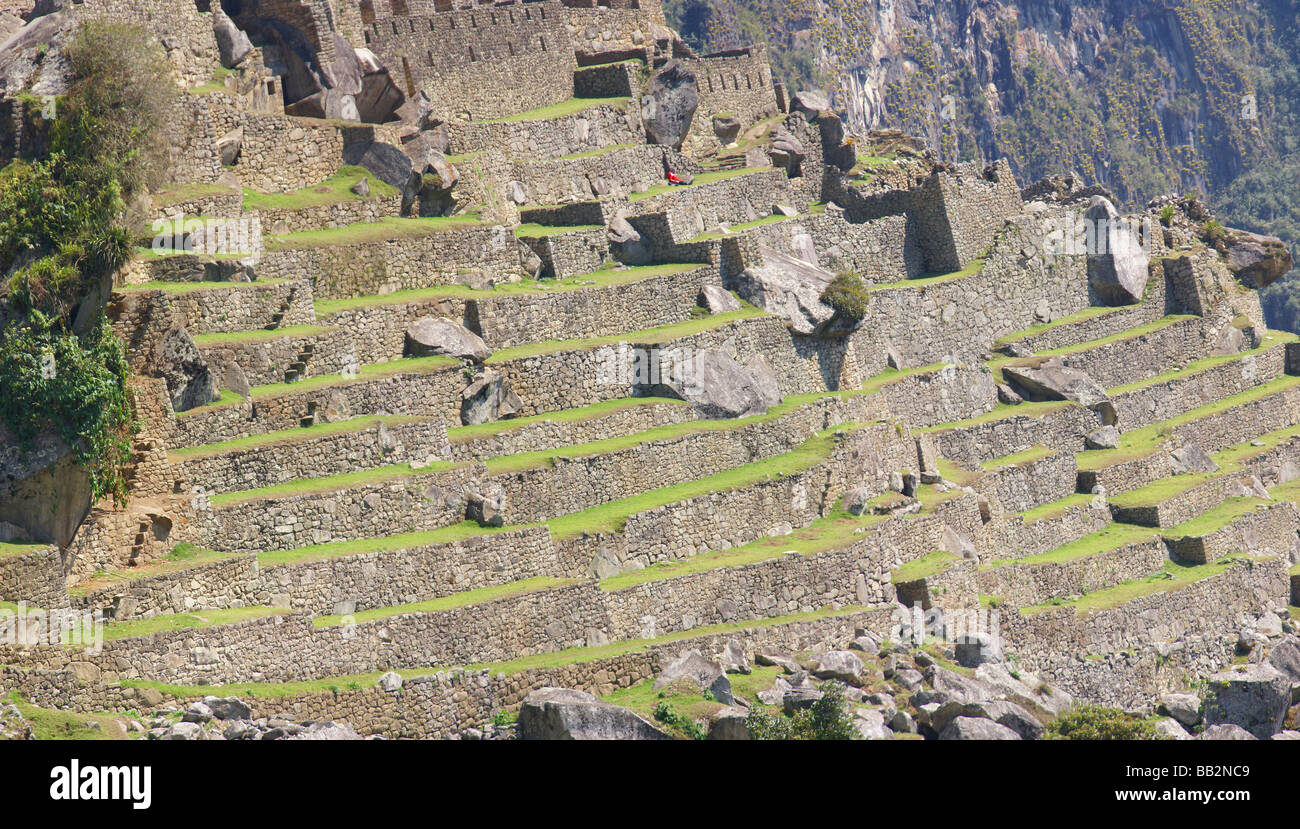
{"x":671,"y":717}
{"x":827,"y":719}
{"x":848,"y":297}
{"x":1093,"y":722}
{"x":63,"y":221}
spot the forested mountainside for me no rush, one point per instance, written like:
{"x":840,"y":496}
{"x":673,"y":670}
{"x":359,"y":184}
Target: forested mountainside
{"x":1143,"y":96}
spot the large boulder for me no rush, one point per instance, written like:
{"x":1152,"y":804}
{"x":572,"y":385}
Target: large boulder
{"x":976,"y":728}
{"x":703,"y":673}
{"x":810,"y":102}
{"x":722,"y":387}
{"x":1286,"y":658}
{"x":1052,"y":379}
{"x":790,"y":288}
{"x":788,"y":152}
{"x":428,"y":336}
{"x":1186,"y":708}
{"x":233,"y":45}
{"x":842,"y":665}
{"x":672,"y":97}
{"x":627,"y":245}
{"x":326,"y":731}
{"x":488,"y":399}
{"x":564,"y":714}
{"x":1257,"y":261}
{"x":190,"y":382}
{"x":730,"y":723}
{"x":380,"y":98}
{"x":1225,"y":732}
{"x":1255,"y":699}
{"x":718,"y":300}
{"x":1117,"y":269}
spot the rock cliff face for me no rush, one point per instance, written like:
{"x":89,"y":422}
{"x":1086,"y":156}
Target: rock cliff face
{"x":1143,"y":97}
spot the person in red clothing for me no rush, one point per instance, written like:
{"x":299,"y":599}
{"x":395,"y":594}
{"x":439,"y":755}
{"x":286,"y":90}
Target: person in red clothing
{"x":673,"y":178}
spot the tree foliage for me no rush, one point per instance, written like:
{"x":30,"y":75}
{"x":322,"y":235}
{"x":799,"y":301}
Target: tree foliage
{"x":63,"y":232}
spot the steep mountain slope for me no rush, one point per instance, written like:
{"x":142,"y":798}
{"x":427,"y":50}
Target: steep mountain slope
{"x":1143,"y":97}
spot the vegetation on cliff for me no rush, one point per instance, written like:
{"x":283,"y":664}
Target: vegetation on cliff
{"x":63,"y":220}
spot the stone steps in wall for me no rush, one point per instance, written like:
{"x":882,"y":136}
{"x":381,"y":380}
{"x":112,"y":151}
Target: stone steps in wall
{"x":231,"y":307}
{"x":268,"y":356}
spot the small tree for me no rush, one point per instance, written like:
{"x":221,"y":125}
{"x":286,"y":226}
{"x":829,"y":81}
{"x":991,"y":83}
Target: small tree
{"x":848,"y":297}
{"x":1094,"y":722}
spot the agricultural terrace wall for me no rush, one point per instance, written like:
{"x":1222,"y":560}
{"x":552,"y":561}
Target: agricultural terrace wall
{"x":480,"y":63}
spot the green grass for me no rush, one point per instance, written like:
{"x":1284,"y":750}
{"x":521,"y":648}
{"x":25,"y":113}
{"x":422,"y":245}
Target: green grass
{"x":670,"y":431}
{"x":610,"y":517}
{"x":452,"y":602}
{"x":464,"y":434}
{"x":227,"y":398}
{"x":1090,"y":313}
{"x":700,"y":179}
{"x":833,"y":532}
{"x":374,"y":371}
{"x":186,"y":621}
{"x":1055,"y":509}
{"x":334,"y":190}
{"x":289,"y":436}
{"x":536,"y":231}
{"x":363,"y":546}
{"x":927,"y":565}
{"x":1001,"y":412}
{"x":9,"y":549}
{"x":1173,"y":577}
{"x":193,"y":287}
{"x":1111,"y":538}
{"x":1272,"y":339}
{"x":51,"y":724}
{"x":1216,"y":519}
{"x":175,"y":193}
{"x":259,"y":336}
{"x":1140,"y":443}
{"x":599,"y":151}
{"x":570,"y":656}
{"x":570,"y":107}
{"x":975,"y":267}
{"x":1022,"y":458}
{"x":604,"y":278}
{"x":182,"y":558}
{"x":662,"y":334}
{"x":732,"y":230}
{"x":364,"y":233}
{"x":332,"y":483}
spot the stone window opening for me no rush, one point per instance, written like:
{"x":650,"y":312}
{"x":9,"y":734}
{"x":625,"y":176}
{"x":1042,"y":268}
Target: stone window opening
{"x":542,"y":40}
{"x":511,"y":46}
{"x":473,"y":56}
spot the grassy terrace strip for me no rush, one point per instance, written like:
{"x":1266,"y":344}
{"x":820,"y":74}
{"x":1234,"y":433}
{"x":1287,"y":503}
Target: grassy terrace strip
{"x":1090,"y":313}
{"x":177,"y":192}
{"x":1002,"y":411}
{"x":9,"y":549}
{"x":186,"y":621}
{"x":260,"y":335}
{"x":536,"y":231}
{"x":927,"y":565}
{"x":1230,"y":460}
{"x":1022,"y":458}
{"x":452,"y":602}
{"x":570,"y":107}
{"x":833,"y":532}
{"x":997,"y":365}
{"x":1272,"y":339}
{"x":606,"y":277}
{"x":1174,"y":576}
{"x":1216,"y":519}
{"x":570,"y":656}
{"x":227,"y":398}
{"x":662,"y":334}
{"x":310,"y":486}
{"x":465,"y":434}
{"x":1054,"y":509}
{"x":975,"y":267}
{"x":383,"y":230}
{"x":670,"y":431}
{"x":374,"y":371}
{"x":1140,"y":443}
{"x":363,"y":546}
{"x":335,"y":189}
{"x":182,"y":557}
{"x":612,"y":516}
{"x":599,"y":151}
{"x":194,"y":287}
{"x":1102,"y":541}
{"x":289,"y":436}
{"x":700,"y":180}
{"x":732,"y":230}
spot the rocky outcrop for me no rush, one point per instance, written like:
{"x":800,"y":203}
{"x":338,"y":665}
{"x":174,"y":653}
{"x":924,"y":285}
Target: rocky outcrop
{"x":1117,"y":267}
{"x":430,"y":336}
{"x":563,"y":714}
{"x":672,"y":97}
{"x":790,"y":288}
{"x":722,"y":387}
{"x":1257,"y":261}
